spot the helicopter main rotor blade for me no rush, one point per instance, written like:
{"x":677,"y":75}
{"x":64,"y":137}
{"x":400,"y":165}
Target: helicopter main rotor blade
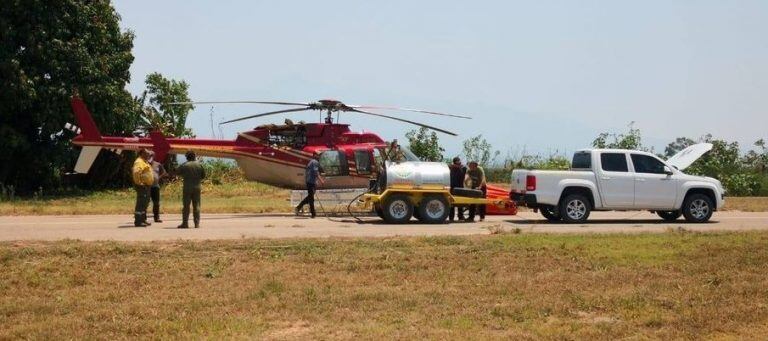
{"x":407,"y":109}
{"x":239,"y":102}
{"x":265,"y":114}
{"x":403,"y":120}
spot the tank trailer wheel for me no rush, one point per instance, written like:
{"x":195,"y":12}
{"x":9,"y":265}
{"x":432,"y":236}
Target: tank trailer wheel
{"x":433,"y":209}
{"x":397,"y":209}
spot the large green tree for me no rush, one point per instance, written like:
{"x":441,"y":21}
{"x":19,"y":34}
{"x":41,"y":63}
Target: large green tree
{"x":49,"y":48}
{"x":157,"y":110}
{"x":425,"y":144}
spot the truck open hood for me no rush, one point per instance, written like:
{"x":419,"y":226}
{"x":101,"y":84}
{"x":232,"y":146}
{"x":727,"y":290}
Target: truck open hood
{"x":689,"y":155}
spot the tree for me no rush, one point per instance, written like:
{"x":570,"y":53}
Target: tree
{"x":47,"y":50}
{"x":478,"y":149}
{"x":424,"y":144}
{"x":631,"y":140}
{"x":156,"y":109}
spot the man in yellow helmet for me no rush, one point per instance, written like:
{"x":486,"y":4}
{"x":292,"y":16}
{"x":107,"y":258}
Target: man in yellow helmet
{"x":142,"y":181}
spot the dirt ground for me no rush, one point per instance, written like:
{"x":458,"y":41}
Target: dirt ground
{"x":237,"y":226}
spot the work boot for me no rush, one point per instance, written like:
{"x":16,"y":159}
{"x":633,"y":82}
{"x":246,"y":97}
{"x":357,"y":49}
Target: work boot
{"x":182,"y":226}
{"x":140,"y":224}
{"x":297,"y":211}
{"x":157,"y":220}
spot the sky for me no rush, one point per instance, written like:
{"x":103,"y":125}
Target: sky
{"x":536,"y":76}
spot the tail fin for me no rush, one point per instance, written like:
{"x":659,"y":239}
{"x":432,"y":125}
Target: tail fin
{"x":88,"y":128}
{"x":87,"y":155}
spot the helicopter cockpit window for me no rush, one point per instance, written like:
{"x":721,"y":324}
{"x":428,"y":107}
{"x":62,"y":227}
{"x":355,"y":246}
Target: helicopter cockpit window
{"x":403,"y":155}
{"x":363,"y":162}
{"x":334,"y":163}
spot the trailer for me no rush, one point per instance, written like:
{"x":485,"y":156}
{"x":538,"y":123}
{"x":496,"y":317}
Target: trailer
{"x":428,"y":205}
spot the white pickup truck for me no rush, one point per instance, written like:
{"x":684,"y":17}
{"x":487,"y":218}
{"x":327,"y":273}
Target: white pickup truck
{"x":621,"y":180}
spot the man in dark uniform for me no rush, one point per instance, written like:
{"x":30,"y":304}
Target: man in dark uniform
{"x":475,"y":179}
{"x":311,"y":177}
{"x":458,"y":172}
{"x":193,"y":173}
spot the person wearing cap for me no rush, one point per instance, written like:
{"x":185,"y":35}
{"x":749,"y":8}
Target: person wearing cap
{"x":458,"y":173}
{"x":311,"y":177}
{"x":158,"y":172}
{"x":475,"y":179}
{"x":142,"y":180}
{"x":193,"y":174}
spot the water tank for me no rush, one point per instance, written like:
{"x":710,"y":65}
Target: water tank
{"x":420,"y":175}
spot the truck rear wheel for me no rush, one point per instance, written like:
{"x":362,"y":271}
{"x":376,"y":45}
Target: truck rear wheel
{"x":669,"y":215}
{"x":697,"y":208}
{"x":575,"y":208}
{"x":433,"y":209}
{"x":550,"y":212}
{"x":397,"y":209}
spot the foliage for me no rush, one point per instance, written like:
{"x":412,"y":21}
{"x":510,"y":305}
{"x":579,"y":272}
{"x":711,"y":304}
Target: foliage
{"x":48,"y":49}
{"x":724,"y":163}
{"x":478,"y":149}
{"x":156,"y":109}
{"x":220,"y":171}
{"x":630,"y":140}
{"x":424,"y":144}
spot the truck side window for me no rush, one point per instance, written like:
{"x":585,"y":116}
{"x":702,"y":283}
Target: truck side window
{"x":582,"y":160}
{"x":614,"y":162}
{"x":647,"y":164}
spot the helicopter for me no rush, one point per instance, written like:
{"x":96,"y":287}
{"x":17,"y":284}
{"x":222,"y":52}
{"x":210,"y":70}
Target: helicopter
{"x":272,"y":154}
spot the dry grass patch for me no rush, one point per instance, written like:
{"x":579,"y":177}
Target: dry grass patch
{"x":236,"y":197}
{"x":673,"y":285}
{"x":746,"y":204}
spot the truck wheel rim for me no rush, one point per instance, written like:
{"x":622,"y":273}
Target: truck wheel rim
{"x":699,"y":208}
{"x":435,"y":209}
{"x":576,"y":209}
{"x":398,"y":209}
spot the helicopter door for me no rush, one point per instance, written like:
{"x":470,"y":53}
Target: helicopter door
{"x":363,"y":164}
{"x":334,"y":163}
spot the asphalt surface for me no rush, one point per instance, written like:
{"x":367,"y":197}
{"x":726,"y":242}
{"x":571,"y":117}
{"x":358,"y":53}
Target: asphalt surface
{"x":236,"y":226}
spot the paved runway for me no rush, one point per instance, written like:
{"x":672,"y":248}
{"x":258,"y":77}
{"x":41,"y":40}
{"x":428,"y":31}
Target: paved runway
{"x":235,"y":226}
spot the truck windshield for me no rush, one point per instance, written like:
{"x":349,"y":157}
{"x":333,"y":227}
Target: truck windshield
{"x":582,"y":160}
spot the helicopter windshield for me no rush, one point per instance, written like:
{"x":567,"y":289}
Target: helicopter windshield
{"x":400,"y":155}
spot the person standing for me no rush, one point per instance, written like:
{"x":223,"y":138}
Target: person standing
{"x":142,"y":181}
{"x":475,"y":179}
{"x":193,"y":174}
{"x":311,"y":177}
{"x":458,"y":172}
{"x":158,"y":172}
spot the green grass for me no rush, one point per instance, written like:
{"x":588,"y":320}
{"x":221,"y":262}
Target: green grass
{"x":661,"y":286}
{"x":228,"y":197}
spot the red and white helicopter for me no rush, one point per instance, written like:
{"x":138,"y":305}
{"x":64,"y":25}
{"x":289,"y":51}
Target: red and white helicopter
{"x":271,"y":154}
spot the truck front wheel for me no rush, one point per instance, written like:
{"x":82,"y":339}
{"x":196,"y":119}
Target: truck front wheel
{"x":433,"y":209}
{"x":397,"y":209}
{"x":574,"y":208}
{"x":697,"y":208}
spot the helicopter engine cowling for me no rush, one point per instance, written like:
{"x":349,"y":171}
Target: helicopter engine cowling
{"x":418,"y":175}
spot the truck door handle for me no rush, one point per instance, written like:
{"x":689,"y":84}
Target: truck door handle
{"x":605,"y":177}
{"x":640,"y":180}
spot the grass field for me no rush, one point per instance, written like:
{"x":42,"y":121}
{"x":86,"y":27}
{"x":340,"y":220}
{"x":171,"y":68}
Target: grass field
{"x":229,"y":197}
{"x":673,"y":285}
{"x":237,"y":197}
